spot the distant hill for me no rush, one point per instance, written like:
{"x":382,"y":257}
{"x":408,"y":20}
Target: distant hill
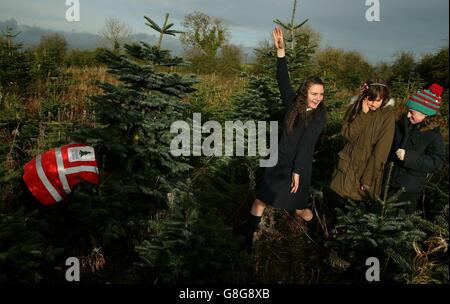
{"x":31,"y":35}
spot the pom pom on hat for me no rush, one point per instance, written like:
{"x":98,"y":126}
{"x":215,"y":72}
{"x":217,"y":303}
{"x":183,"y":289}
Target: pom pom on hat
{"x":436,"y":89}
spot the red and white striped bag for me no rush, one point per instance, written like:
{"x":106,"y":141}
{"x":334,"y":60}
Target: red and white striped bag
{"x":51,"y":176}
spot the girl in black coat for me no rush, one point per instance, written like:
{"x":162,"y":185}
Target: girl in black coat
{"x":286,"y":185}
{"x":418,"y":147}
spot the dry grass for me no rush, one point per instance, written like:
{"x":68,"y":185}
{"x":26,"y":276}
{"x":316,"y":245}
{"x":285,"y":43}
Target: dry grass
{"x":217,"y":90}
{"x":423,"y":261}
{"x":71,"y":91}
{"x":84,"y":83}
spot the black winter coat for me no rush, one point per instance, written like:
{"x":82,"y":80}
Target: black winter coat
{"x":295,"y":153}
{"x":425,"y":153}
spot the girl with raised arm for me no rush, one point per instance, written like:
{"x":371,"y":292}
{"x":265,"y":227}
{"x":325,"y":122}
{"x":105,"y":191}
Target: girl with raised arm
{"x":286,"y":185}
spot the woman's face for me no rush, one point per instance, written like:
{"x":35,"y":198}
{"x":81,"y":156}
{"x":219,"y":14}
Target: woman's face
{"x":374,"y":104}
{"x":415,"y":117}
{"x":315,"y":95}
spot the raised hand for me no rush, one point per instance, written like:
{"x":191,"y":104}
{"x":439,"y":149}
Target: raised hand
{"x":278,"y":38}
{"x":278,"y":41}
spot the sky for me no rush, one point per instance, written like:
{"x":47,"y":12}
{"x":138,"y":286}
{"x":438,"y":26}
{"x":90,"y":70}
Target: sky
{"x":418,"y":26}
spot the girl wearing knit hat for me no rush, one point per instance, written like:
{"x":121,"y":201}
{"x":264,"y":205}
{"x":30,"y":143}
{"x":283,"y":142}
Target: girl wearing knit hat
{"x":418,"y":147}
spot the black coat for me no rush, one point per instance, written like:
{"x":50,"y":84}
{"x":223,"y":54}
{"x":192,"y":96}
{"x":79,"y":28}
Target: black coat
{"x":425,"y":153}
{"x":295,"y":153}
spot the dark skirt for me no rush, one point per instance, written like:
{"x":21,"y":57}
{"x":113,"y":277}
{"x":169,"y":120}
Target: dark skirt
{"x":274,"y":189}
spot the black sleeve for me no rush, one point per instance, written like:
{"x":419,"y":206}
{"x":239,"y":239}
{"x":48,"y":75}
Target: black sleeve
{"x":430,"y":161}
{"x":287,"y":93}
{"x":398,"y":137}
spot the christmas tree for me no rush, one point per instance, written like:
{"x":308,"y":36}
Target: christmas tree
{"x":131,"y":136}
{"x":14,"y":64}
{"x":261,"y":100}
{"x":379,"y":228}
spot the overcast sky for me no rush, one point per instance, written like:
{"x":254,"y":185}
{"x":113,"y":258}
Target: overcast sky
{"x":419,"y":26}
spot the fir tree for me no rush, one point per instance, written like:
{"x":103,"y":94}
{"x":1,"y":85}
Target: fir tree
{"x":14,"y":64}
{"x":379,"y":228}
{"x":27,"y":260}
{"x":131,"y":136}
{"x":191,"y":244}
{"x":261,"y":100}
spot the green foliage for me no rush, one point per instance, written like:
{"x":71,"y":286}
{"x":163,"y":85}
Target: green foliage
{"x":12,"y":108}
{"x":204,"y":33}
{"x":24,"y":261}
{"x":348,"y":69}
{"x":80,"y":58}
{"x":433,"y":68}
{"x":404,"y":65}
{"x":164,"y":30}
{"x":15,"y":65}
{"x":50,"y":56}
{"x":261,"y":101}
{"x":201,"y":101}
{"x":229,"y":60}
{"x":401,"y":89}
{"x":132,"y":139}
{"x":203,"y":37}
{"x":190,"y":244}
{"x":370,"y":233}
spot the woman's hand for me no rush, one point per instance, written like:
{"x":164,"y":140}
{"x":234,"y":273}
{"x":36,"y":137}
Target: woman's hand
{"x":365,"y":105}
{"x":295,"y":183}
{"x":279,"y":42}
{"x":401,"y":154}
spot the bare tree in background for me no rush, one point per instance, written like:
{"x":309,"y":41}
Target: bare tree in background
{"x":204,"y":33}
{"x":116,"y":32}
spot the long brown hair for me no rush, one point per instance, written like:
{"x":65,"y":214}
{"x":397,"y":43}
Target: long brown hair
{"x":298,"y":111}
{"x":432,"y":122}
{"x":372,"y":88}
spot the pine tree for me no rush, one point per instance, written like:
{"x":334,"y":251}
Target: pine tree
{"x":25,"y":254}
{"x":131,"y":136}
{"x":50,"y":55}
{"x":189,"y":243}
{"x":261,"y":100}
{"x":401,"y":88}
{"x":14,"y":64}
{"x":379,"y":228}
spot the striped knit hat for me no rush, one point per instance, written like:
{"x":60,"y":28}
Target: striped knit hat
{"x":427,"y":101}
